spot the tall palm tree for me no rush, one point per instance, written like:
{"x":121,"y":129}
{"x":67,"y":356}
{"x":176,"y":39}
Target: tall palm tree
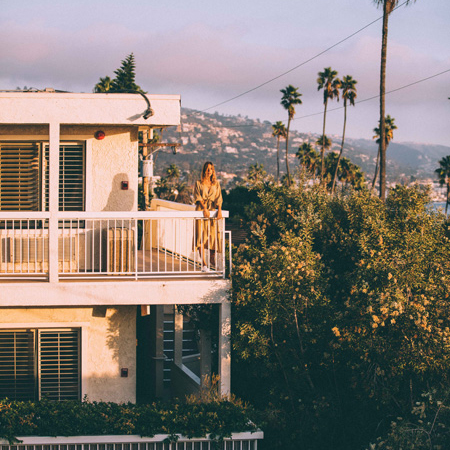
{"x":278,"y":131}
{"x":348,"y":94}
{"x":309,"y":158}
{"x":443,"y":173}
{"x":389,"y":127}
{"x":388,"y":6}
{"x":290,"y":98}
{"x":330,"y":84}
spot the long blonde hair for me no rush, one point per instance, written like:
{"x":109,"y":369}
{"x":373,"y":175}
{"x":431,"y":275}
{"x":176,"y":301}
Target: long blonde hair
{"x":213,"y":175}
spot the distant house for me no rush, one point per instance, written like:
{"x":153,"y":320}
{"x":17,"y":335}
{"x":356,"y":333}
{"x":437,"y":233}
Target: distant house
{"x":89,"y":284}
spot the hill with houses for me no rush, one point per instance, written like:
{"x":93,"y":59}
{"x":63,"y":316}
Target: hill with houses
{"x":234,"y":143}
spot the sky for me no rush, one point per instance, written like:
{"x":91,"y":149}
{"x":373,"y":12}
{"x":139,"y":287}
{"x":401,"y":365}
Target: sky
{"x":209,"y":51}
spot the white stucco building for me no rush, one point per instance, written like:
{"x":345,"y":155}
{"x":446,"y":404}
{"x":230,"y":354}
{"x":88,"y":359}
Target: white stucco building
{"x":87,"y":282}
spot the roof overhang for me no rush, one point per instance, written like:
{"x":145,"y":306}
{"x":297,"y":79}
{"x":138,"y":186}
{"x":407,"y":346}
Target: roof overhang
{"x":88,"y":109}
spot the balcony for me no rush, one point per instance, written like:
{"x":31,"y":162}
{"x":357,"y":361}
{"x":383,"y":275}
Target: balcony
{"x":112,"y":246}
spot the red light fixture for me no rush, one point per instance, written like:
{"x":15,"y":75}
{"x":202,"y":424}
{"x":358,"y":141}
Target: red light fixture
{"x":99,"y":135}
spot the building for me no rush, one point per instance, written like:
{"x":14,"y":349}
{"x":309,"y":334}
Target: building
{"x":88,"y":282}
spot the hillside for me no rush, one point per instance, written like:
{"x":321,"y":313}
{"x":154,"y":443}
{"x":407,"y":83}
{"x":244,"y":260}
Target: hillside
{"x":234,"y":143}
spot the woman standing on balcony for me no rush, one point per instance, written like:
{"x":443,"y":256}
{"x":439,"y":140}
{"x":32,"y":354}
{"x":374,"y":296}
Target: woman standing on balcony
{"x":208,"y":197}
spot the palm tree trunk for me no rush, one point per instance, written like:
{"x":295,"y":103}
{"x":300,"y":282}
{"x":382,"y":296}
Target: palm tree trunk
{"x":382,"y":102}
{"x":376,"y":169}
{"x":287,"y":153}
{"x":278,"y":160}
{"x":322,"y":150}
{"x":342,"y":148}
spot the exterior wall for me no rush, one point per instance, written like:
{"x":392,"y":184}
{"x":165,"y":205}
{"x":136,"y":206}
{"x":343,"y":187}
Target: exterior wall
{"x":108,"y":162}
{"x":108,"y":344}
{"x":113,"y":160}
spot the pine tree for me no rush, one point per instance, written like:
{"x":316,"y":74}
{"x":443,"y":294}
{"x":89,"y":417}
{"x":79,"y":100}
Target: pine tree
{"x":125,"y":76}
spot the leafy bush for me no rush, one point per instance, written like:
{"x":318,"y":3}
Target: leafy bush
{"x":71,"y":418}
{"x":341,"y":313}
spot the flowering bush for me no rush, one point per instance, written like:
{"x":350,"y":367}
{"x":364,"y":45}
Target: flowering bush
{"x":341,"y":312}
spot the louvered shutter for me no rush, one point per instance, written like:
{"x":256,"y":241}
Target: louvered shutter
{"x":71,"y":177}
{"x":59,"y":373}
{"x":20,"y":177}
{"x":17,"y":365}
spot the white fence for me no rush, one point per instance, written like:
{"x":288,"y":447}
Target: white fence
{"x":108,"y":245}
{"x":237,"y":441}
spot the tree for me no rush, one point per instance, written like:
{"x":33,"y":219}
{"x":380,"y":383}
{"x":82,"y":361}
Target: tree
{"x":104,"y":85}
{"x":173,"y":173}
{"x":443,"y":173}
{"x":389,"y":128}
{"x":279,"y":131}
{"x":330,"y":84}
{"x":256,"y":173}
{"x":290,"y":98}
{"x":388,"y":7}
{"x":124,"y":80}
{"x":348,"y":88}
{"x":309,"y":158}
{"x":320,"y":288}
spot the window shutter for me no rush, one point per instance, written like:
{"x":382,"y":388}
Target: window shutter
{"x":19,"y":177}
{"x":71,"y":177}
{"x":17,"y":363}
{"x":71,"y":180}
{"x":59,"y":373}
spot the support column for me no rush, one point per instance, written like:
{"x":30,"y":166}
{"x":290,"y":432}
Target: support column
{"x":157,"y":350}
{"x":178,"y":338}
{"x":53,"y":201}
{"x":225,"y":348}
{"x":205,"y":356}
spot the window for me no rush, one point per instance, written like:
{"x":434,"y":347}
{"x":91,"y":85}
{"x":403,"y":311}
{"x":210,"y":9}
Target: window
{"x":24,"y":177}
{"x":40,"y":363}
{"x":20,"y":177}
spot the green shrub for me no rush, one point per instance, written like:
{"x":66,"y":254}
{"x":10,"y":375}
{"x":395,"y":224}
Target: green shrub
{"x":73,"y":418}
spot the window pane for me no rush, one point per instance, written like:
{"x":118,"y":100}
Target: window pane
{"x":19,"y":177}
{"x":17,"y":368}
{"x":59,"y":364}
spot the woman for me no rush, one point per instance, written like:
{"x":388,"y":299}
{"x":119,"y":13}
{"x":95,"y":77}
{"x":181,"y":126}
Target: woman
{"x":208,"y":197}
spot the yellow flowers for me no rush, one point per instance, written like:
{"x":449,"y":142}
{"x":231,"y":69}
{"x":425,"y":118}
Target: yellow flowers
{"x":336,"y":331}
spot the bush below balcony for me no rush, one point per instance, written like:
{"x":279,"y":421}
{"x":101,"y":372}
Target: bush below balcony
{"x":73,"y":418}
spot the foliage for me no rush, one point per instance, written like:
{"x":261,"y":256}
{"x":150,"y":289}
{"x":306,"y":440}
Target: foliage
{"x":124,"y":80}
{"x":427,"y":426}
{"x":341,"y":314}
{"x":172,"y":187}
{"x":220,"y":417}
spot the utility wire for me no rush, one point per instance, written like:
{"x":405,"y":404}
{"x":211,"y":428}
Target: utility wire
{"x":377,"y":96}
{"x":301,"y":64}
{"x":359,"y":101}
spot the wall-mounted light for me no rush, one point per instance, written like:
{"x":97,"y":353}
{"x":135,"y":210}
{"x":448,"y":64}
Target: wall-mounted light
{"x":99,"y":135}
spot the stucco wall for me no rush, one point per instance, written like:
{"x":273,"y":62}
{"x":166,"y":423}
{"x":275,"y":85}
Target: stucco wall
{"x":108,"y":345}
{"x":108,"y":161}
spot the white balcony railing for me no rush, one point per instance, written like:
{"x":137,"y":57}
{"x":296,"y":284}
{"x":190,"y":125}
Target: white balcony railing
{"x":106,"y":245}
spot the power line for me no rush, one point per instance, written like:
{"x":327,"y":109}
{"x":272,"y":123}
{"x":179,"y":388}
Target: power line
{"x":301,"y":64}
{"x":357,"y":102}
{"x":377,"y":96}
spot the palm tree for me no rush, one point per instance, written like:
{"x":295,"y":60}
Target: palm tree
{"x":308,"y":158}
{"x":389,"y":128}
{"x":173,"y":173}
{"x":348,"y":94}
{"x":104,"y":85}
{"x":279,"y":131}
{"x":388,"y":7}
{"x":291,"y":97}
{"x":330,"y":84}
{"x":443,"y":173}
